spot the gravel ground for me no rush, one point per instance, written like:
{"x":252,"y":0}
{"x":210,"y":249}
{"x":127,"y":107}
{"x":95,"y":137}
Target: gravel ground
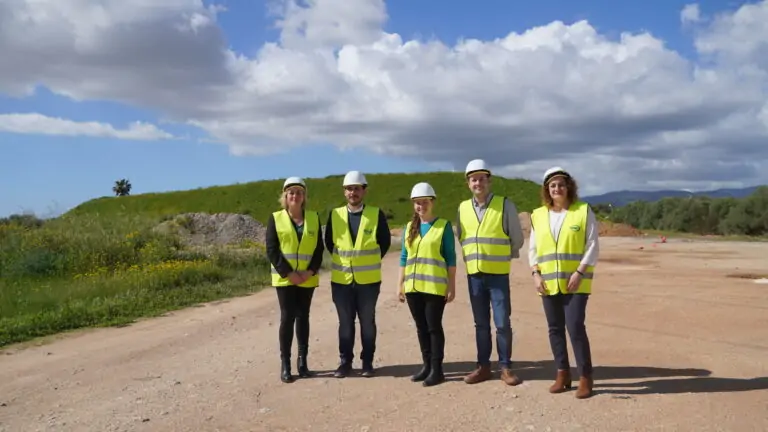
{"x":678,"y":345}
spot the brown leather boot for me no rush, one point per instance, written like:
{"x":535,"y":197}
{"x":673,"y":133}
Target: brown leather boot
{"x":562,"y":382}
{"x":509,"y":377}
{"x":585,"y":387}
{"x":482,"y":373}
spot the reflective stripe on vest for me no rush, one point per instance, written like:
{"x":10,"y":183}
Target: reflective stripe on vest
{"x":360,"y":262}
{"x":485,"y":246}
{"x":559,"y":260}
{"x":298,"y":254}
{"x":425,"y":268}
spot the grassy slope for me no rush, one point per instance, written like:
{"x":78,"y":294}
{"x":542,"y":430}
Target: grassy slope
{"x":389,"y":191}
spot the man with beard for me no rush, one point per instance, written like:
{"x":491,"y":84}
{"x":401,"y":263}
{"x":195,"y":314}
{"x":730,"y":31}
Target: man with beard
{"x":490,"y":235}
{"x":357,"y":235}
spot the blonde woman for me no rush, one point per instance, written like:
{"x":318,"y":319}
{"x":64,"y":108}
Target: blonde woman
{"x":427,"y":279}
{"x":563,"y":252}
{"x":295,"y":249}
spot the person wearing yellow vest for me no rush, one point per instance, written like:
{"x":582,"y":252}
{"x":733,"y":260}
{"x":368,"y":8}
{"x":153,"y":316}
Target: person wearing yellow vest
{"x":427,"y":279}
{"x":295,"y":250}
{"x":563,"y":252}
{"x":490,"y":235}
{"x":357,"y":236}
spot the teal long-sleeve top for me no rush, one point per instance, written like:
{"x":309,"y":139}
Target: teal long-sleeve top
{"x":447,"y":249}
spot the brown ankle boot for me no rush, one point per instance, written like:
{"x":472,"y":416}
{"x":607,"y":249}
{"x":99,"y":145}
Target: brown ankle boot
{"x":482,"y":373}
{"x":562,"y":382}
{"x":509,"y":377}
{"x":585,"y":387}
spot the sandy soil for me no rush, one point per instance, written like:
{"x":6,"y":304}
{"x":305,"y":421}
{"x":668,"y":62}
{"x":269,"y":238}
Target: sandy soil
{"x":677,"y":344}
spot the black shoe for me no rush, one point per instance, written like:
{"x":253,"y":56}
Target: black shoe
{"x":343,"y":370}
{"x":435,"y":376}
{"x":301,"y":365}
{"x":423,"y":373}
{"x":367,"y":369}
{"x":285,"y":373}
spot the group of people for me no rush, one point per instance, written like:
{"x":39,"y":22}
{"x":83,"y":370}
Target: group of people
{"x":563,"y":250}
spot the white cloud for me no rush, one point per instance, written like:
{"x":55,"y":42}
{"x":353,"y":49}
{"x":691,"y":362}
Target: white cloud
{"x":619,"y":113}
{"x":33,"y":123}
{"x":323,"y":23}
{"x":690,"y":13}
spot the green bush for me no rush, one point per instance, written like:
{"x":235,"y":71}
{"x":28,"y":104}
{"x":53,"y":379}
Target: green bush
{"x":699,"y":215}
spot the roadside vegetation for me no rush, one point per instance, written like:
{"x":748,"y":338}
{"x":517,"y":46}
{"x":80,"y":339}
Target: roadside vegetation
{"x":85,"y":271}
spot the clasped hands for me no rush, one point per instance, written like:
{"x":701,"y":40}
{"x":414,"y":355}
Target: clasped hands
{"x":299,"y":277}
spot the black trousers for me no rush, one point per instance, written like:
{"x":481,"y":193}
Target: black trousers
{"x":427,"y":312}
{"x":295,"y":303}
{"x":356,"y":301}
{"x":568,"y":311}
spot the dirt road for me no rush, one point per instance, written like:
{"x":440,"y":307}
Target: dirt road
{"x":677,"y":346}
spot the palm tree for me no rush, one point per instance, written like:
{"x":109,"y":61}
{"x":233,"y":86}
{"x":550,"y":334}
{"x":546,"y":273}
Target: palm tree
{"x":122,"y":187}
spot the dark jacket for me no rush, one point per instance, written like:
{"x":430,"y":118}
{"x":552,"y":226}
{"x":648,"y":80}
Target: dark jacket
{"x":277,"y":258}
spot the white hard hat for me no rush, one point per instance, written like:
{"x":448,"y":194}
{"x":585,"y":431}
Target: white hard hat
{"x":553,"y":172}
{"x":355,"y":178}
{"x":294,"y":181}
{"x":422,"y":190}
{"x":477,"y":165}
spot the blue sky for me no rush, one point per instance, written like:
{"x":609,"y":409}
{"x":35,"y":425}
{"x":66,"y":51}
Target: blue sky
{"x":48,"y":173}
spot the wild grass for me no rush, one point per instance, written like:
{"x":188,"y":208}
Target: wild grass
{"x":81,"y":271}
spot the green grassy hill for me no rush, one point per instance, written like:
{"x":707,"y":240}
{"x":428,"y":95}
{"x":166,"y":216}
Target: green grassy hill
{"x":258,"y":199}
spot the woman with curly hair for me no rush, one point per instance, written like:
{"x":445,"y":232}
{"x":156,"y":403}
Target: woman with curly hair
{"x":563,"y":251}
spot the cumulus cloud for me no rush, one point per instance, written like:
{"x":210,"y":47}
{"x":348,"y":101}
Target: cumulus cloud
{"x":626,"y":112}
{"x":39,"y":124}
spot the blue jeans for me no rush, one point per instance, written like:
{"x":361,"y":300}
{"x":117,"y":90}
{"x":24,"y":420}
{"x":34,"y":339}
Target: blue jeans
{"x":356,"y":301}
{"x":486,"y":292}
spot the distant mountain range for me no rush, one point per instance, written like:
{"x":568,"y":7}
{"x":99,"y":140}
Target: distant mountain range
{"x":620,"y":198}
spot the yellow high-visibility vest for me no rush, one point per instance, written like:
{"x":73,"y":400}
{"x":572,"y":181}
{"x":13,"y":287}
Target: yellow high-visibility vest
{"x":558,"y":261}
{"x":298,"y":253}
{"x":360,"y":262}
{"x":425,"y":268}
{"x":484,"y":244}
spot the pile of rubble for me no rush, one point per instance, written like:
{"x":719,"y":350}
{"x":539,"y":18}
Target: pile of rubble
{"x":203,"y":229}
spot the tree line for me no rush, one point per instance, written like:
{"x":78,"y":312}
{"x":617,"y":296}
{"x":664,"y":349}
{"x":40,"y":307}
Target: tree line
{"x":696,"y":215}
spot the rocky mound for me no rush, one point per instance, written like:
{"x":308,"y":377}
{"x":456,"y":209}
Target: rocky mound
{"x":203,"y":229}
{"x":612,"y":229}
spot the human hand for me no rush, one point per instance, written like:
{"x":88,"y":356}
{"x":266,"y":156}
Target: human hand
{"x":401,"y":293}
{"x":295,"y":278}
{"x":305,"y":275}
{"x":539,"y":284}
{"x":450,"y":295}
{"x":574,"y":282}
